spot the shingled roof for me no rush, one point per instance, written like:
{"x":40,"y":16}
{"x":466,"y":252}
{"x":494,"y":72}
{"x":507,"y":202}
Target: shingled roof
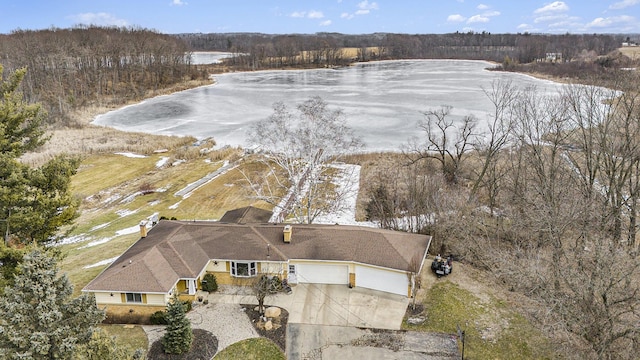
{"x":246,"y":215}
{"x":175,"y":250}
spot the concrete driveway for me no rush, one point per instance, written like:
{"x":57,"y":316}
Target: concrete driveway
{"x":335,"y":305}
{"x":321,"y":342}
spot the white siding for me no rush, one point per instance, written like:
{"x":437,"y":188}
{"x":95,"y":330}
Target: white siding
{"x":106,"y":298}
{"x":156,"y":299}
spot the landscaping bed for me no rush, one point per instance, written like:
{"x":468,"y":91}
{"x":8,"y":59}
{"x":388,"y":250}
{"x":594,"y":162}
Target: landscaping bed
{"x":279,"y":332}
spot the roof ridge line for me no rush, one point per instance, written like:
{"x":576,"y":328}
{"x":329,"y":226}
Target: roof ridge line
{"x":179,"y":255}
{"x":268,"y":243}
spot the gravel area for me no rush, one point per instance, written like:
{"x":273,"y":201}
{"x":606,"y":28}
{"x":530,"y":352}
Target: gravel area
{"x":227,"y":322}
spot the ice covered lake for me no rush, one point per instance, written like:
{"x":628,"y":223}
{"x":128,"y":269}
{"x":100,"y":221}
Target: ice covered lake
{"x":382,"y":101}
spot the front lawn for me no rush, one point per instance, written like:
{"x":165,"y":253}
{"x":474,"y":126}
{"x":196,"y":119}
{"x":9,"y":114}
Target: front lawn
{"x":492,"y":331}
{"x":251,"y":349}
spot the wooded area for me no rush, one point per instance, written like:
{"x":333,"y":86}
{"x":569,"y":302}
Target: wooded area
{"x":263,"y":50}
{"x":72,"y":68}
{"x":546,"y":200}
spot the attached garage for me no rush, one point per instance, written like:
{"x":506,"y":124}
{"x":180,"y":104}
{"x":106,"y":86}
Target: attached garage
{"x":383,"y":280}
{"x":322,"y":273}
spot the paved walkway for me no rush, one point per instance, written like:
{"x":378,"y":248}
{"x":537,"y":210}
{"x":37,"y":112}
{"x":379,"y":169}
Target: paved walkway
{"x":227,"y":322}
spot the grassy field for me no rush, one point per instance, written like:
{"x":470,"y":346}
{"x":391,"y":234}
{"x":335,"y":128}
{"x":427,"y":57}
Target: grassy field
{"x":631,"y":51}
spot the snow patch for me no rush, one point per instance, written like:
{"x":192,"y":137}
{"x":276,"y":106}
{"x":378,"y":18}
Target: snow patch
{"x":97,"y":242}
{"x":348,"y":184}
{"x":125,"y":212}
{"x":175,"y":206}
{"x":101,"y":226}
{"x":101,"y":263}
{"x":162,"y":162}
{"x":131,"y":197}
{"x":73,"y":239}
{"x":131,"y":155}
{"x":128,"y":231}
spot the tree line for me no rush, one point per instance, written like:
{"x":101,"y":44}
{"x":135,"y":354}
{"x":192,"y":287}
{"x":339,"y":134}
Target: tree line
{"x":265,"y":50}
{"x":69,"y":69}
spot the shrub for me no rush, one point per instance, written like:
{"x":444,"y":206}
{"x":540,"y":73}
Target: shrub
{"x":209,"y":283}
{"x":159,"y":318}
{"x":187,"y":305}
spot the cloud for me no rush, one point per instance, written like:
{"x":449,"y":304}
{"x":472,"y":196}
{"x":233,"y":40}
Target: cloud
{"x":364,"y":8}
{"x":456,"y":18}
{"x":548,"y":18}
{"x":325,"y":23}
{"x":315,"y":14}
{"x":482,"y":7}
{"x":524,"y":26}
{"x":100,"y":19}
{"x":310,"y":14}
{"x":614,"y":20}
{"x":365,"y":5}
{"x":178,"y":2}
{"x":624,"y":4}
{"x":477,"y":19}
{"x":556,"y":6}
{"x":491,"y":13}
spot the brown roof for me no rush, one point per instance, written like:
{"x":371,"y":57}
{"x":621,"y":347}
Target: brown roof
{"x":247,"y":215}
{"x":181,"y":249}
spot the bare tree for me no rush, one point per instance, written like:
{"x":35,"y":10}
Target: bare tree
{"x":445,"y":141}
{"x":298,"y":149}
{"x":503,"y":96}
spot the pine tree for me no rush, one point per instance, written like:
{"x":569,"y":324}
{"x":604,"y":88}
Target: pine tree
{"x":38,"y":317}
{"x":178,"y":336}
{"x":34,"y":202}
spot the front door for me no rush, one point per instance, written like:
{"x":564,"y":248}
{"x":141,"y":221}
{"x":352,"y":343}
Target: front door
{"x":293,"y":279}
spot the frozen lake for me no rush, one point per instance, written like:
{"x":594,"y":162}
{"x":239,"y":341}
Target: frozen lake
{"x":382,"y":101}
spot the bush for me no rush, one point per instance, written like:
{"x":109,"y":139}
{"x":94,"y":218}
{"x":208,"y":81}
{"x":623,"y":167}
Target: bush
{"x":187,"y":305}
{"x":158,"y":318}
{"x":209,"y":283}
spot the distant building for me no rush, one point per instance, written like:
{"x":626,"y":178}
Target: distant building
{"x":553,"y":57}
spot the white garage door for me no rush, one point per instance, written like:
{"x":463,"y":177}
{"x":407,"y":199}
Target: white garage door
{"x":383,"y":280}
{"x":322,"y":274}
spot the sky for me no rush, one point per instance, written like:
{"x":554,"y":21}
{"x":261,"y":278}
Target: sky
{"x":341,"y":16}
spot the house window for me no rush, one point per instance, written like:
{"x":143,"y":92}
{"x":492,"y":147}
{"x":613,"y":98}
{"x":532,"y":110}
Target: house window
{"x":134,"y":298}
{"x":243,"y":269}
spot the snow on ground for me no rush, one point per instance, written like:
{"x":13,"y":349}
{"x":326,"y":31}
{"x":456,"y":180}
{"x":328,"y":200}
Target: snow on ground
{"x":101,"y":226}
{"x":131,"y":197}
{"x":162,"y":162}
{"x":175,"y":206}
{"x":130,"y":155}
{"x":73,"y":239}
{"x":125,"y":212}
{"x":97,"y":242}
{"x":101,"y":263}
{"x":348,"y":184}
{"x":189,"y":189}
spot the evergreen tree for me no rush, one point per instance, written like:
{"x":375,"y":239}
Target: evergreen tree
{"x":38,"y":317}
{"x":34,"y":202}
{"x":179,"y":336}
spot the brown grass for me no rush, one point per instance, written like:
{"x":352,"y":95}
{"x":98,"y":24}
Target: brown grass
{"x":632,"y":52}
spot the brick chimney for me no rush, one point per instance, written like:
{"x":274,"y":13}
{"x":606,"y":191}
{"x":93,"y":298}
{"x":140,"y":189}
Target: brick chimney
{"x":143,"y":228}
{"x":287,"y":233}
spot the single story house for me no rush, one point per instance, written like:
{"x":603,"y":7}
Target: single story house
{"x":173,"y":256}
